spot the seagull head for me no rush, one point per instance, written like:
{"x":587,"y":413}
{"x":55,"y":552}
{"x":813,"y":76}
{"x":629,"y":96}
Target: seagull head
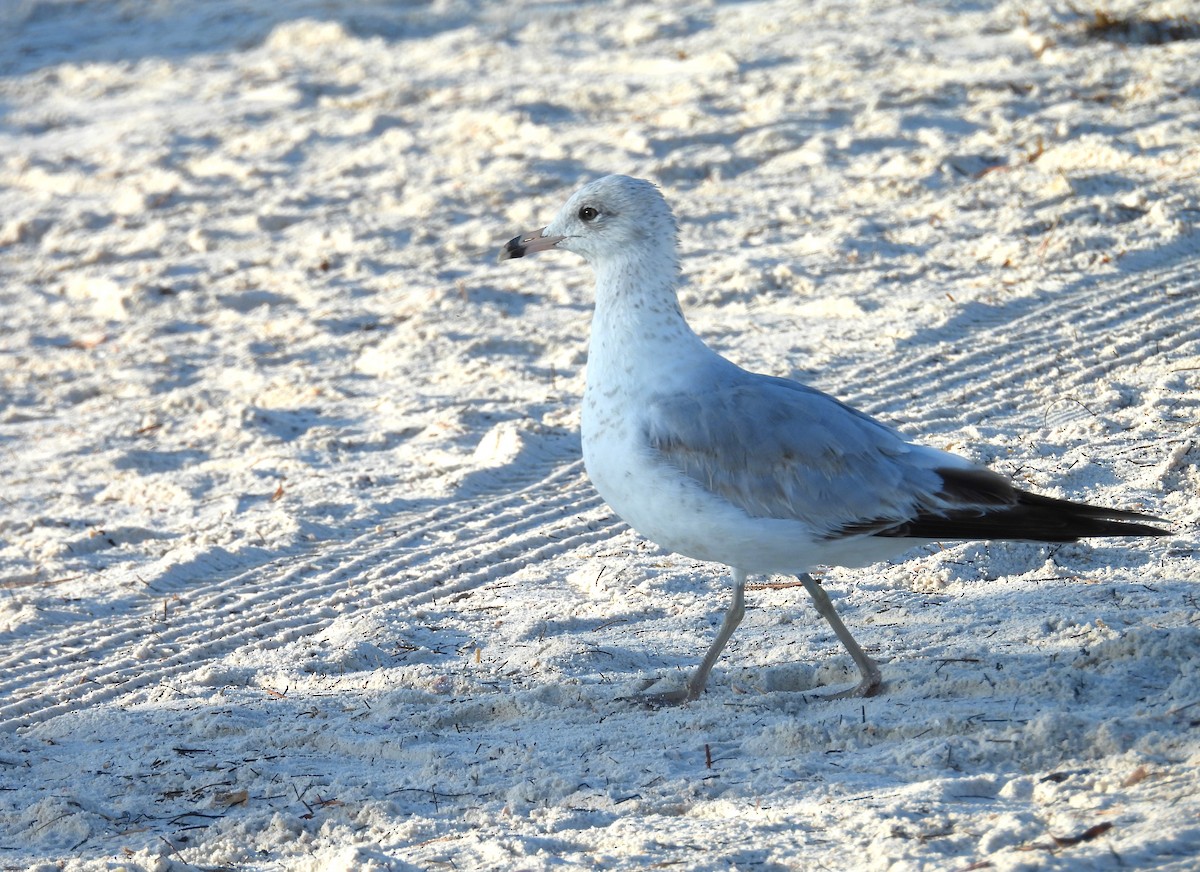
{"x":605,"y":219}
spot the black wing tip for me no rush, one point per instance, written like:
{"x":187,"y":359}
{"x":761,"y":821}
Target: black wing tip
{"x":991,"y":508}
{"x":1092,"y":520}
{"x":1012,"y":525}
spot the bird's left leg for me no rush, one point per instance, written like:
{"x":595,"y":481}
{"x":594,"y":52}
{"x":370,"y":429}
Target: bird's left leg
{"x":871,"y":678}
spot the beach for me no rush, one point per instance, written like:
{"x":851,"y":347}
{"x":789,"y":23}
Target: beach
{"x":299,"y":564}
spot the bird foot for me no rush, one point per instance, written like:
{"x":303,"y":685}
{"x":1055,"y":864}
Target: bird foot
{"x":660,"y":699}
{"x":867,"y":687}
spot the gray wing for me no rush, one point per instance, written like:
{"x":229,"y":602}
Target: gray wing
{"x":778,"y":449}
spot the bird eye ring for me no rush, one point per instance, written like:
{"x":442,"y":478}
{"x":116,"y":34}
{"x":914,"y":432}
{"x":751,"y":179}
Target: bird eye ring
{"x":588,"y":213}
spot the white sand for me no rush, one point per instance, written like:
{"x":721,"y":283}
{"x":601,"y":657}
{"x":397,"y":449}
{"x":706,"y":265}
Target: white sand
{"x":300,"y":569}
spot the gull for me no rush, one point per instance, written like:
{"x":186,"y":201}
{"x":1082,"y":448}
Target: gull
{"x":762,"y":474}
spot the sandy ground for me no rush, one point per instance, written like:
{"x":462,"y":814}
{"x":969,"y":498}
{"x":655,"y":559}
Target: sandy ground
{"x":300,"y":566}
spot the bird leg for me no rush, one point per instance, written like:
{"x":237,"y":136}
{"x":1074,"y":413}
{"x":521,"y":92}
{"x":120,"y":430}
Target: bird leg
{"x":871,"y":678}
{"x":695,"y":684}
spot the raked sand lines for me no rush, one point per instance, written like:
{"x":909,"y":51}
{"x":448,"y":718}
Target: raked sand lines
{"x":409,"y":562}
{"x":1069,"y":337}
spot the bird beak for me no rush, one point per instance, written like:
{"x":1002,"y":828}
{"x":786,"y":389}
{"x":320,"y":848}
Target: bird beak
{"x":528,"y":243}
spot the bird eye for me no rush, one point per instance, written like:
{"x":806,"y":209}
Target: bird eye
{"x":587,"y":213}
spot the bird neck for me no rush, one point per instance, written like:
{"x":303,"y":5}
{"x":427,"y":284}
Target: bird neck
{"x":638,"y":326}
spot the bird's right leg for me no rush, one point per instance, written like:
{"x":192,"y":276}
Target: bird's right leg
{"x":695,"y":684}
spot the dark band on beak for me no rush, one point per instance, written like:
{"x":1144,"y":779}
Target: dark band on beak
{"x":519,"y":246}
{"x":515,"y":247}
